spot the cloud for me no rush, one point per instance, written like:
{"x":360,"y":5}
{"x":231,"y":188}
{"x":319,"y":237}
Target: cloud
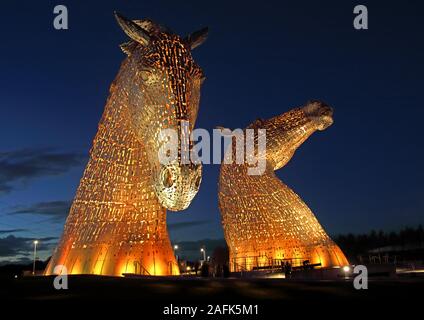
{"x":12,"y":231}
{"x":27,"y":164}
{"x":4,"y":188}
{"x":17,"y":261}
{"x":12,"y":246}
{"x":187,"y":224}
{"x":56,"y":211}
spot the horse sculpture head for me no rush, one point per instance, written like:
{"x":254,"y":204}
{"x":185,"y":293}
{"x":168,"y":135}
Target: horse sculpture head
{"x":286,"y":132}
{"x":319,"y":113}
{"x":164,"y":94}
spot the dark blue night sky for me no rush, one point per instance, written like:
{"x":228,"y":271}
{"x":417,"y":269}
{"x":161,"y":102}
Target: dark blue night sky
{"x":261,"y":59}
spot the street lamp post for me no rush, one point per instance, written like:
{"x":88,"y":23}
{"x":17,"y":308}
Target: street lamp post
{"x":175,"y":251}
{"x":35,"y":254}
{"x":202,"y":250}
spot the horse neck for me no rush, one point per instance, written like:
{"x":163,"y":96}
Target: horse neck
{"x":118,"y":171}
{"x":285,"y":134}
{"x":282,"y":142}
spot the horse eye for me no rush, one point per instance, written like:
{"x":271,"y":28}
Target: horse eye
{"x":167,"y":179}
{"x":145,"y":74}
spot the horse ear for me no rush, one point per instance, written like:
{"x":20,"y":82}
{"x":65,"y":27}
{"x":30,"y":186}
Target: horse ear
{"x":133,"y":30}
{"x":128,"y":47}
{"x":196,"y":38}
{"x":151,"y":27}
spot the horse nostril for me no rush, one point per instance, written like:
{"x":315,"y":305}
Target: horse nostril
{"x":197,"y":182}
{"x":326,"y":111}
{"x":167,"y":178}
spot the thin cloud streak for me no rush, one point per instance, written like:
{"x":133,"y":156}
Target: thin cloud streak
{"x":25,"y":165}
{"x":56,"y":211}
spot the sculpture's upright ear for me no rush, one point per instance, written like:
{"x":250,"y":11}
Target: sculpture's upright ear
{"x":133,"y":30}
{"x":128,"y":47}
{"x":196,"y":38}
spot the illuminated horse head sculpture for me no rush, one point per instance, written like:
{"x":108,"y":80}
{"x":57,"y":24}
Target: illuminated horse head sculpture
{"x":265,"y":222}
{"x":117,"y":222}
{"x":164,"y":94}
